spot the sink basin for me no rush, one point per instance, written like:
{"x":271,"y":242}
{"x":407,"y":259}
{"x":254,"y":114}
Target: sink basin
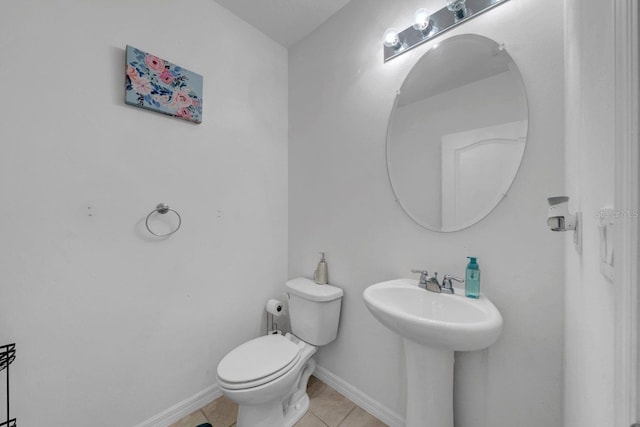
{"x":452,"y":322}
{"x":432,"y":326}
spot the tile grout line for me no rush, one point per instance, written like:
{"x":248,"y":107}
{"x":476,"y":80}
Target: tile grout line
{"x":347,"y":416}
{"x":322,"y":421}
{"x":211,"y":421}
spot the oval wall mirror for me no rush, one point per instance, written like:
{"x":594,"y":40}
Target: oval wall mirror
{"x":457,"y":133}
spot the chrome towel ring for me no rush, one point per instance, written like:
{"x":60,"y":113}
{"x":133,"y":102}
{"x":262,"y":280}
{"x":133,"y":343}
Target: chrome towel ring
{"x":163,"y":208}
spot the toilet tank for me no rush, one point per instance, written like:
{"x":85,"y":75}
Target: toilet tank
{"x":314,"y":310}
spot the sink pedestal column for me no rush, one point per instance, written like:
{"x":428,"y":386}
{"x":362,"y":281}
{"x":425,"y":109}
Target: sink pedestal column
{"x":429,"y":386}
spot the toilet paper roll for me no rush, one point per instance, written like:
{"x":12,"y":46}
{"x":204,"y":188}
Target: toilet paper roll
{"x":275,"y":307}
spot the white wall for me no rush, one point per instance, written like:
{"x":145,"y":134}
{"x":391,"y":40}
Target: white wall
{"x":113,"y":326}
{"x":590,"y":178}
{"x":340,"y":201}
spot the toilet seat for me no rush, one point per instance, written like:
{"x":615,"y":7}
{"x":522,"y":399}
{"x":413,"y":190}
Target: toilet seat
{"x":258,"y":362}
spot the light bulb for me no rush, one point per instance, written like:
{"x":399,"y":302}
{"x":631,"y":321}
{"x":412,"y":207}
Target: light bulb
{"x":391,"y":38}
{"x":459,"y":9}
{"x":421,"y":19}
{"x":456,"y":5}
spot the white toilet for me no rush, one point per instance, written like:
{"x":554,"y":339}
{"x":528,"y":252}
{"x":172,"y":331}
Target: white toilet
{"x":268,"y":375}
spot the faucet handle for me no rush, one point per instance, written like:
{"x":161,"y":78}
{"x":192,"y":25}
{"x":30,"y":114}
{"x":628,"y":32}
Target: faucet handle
{"x":449,"y":278}
{"x":423,"y":276}
{"x":447,"y":286}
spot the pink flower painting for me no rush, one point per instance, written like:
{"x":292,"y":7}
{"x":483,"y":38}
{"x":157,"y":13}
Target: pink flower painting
{"x":154,"y":63}
{"x":184,"y":113}
{"x":181,"y":99}
{"x":166,"y":77}
{"x":156,"y":84}
{"x":142,"y":86}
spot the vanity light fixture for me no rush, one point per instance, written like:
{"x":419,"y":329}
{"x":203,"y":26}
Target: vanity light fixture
{"x":391,"y":38}
{"x":427,"y":25}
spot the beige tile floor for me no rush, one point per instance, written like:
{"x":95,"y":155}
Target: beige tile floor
{"x":327,"y":408}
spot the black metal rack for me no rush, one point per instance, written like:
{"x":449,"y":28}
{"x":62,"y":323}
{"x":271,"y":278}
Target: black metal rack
{"x":7,"y":356}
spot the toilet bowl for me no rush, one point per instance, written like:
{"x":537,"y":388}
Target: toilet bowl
{"x":276,"y":398}
{"x":267,"y":376}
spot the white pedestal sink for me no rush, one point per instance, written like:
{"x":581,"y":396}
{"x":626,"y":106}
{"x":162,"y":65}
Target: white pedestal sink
{"x":432,"y":326}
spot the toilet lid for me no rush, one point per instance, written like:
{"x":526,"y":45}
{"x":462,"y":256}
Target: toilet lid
{"x":259,"y":358}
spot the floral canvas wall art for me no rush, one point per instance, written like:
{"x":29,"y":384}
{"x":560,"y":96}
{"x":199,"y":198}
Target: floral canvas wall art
{"x":158,"y":85}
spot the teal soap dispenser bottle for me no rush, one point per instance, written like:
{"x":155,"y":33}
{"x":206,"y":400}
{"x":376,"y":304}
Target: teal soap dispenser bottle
{"x":472,"y":279}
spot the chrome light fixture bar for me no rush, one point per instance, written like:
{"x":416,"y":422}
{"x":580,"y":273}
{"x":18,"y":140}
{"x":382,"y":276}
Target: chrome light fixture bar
{"x":427,"y":26}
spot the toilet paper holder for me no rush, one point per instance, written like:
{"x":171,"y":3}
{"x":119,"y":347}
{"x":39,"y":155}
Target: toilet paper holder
{"x":274,"y":309}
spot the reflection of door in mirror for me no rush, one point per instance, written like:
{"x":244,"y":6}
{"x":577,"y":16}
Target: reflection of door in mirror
{"x":475,"y":164}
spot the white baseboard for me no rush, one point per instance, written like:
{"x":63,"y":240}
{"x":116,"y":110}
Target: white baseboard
{"x":184,"y":408}
{"x":200,"y":399}
{"x":364,"y":401}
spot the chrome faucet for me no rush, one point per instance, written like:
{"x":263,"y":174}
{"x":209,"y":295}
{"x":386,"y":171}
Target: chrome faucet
{"x":427,"y":282}
{"x":430,"y":283}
